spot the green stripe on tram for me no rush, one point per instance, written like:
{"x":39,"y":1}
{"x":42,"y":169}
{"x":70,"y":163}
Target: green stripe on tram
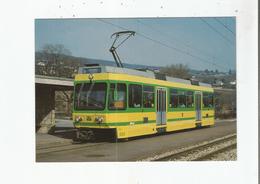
{"x":129,"y":110}
{"x":128,"y":123}
{"x":208,"y":116}
{"x":114,"y":123}
{"x":180,"y":119}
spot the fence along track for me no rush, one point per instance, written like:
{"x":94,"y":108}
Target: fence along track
{"x":182,"y":153}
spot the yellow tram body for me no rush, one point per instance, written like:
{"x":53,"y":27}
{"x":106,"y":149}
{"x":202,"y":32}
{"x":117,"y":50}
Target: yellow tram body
{"x":131,"y":122}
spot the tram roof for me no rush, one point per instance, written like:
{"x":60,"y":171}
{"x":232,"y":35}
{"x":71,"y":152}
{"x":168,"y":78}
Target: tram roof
{"x":147,"y":74}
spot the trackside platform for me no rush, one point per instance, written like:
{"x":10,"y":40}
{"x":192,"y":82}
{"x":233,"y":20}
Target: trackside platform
{"x":59,"y":138}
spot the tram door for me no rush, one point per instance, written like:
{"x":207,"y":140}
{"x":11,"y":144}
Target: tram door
{"x":198,"y":105}
{"x":161,"y":107}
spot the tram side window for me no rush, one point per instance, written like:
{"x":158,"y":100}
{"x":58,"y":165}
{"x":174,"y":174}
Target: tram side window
{"x":189,"y":99}
{"x":211,"y":100}
{"x":173,"y":98}
{"x":208,"y":100}
{"x":135,"y":96}
{"x":148,"y":96}
{"x":182,"y":100}
{"x":205,"y":100}
{"x":117,"y":96}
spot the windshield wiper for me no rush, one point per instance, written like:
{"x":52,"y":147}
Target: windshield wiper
{"x":96,"y":102}
{"x":80,"y":90}
{"x":89,"y":91}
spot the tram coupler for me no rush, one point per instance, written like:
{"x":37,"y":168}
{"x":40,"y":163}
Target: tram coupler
{"x":198,"y":125}
{"x":85,"y":135}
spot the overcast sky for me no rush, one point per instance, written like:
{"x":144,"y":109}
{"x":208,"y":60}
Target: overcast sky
{"x":200,"y":43}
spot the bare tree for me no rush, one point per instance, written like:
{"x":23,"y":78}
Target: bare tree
{"x":55,"y":56}
{"x":177,"y":70}
{"x":64,"y":102}
{"x":68,"y":98}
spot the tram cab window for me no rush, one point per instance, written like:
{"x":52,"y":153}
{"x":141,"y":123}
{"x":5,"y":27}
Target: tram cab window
{"x":148,"y":96}
{"x":189,"y":99}
{"x":90,"y":96}
{"x":117,"y":96}
{"x":135,"y":96}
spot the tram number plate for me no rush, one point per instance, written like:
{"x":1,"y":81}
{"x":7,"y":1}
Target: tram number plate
{"x":88,"y":118}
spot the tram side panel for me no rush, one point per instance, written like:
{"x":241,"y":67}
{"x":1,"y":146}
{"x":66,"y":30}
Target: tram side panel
{"x":180,"y":117}
{"x":135,"y":124}
{"x":208,"y":117}
{"x":180,"y":120}
{"x":208,"y":113}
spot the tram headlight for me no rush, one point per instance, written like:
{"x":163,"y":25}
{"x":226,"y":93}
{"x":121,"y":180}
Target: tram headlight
{"x":99,"y":119}
{"x":78,"y":119}
{"x":90,"y":76}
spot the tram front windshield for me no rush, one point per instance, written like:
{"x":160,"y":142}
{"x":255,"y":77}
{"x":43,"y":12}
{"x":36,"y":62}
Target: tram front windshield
{"x":90,"y":96}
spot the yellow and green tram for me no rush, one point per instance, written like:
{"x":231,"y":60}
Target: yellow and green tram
{"x":134,"y":103}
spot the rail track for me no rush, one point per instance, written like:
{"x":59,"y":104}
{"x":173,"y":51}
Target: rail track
{"x":216,"y":152}
{"x":66,"y":147}
{"x":200,"y":152}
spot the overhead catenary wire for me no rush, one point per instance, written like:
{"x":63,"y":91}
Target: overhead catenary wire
{"x":225,"y":26}
{"x":219,"y":33}
{"x":163,"y":44}
{"x":187,"y":45}
{"x":179,"y":50}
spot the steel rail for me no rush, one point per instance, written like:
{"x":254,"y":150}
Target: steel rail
{"x":194,"y":149}
{"x":70,"y":147}
{"x":216,"y":152}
